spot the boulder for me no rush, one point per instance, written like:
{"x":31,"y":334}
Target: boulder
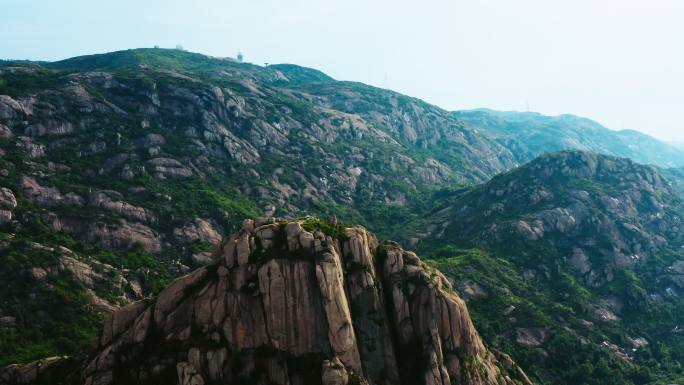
{"x":198,"y":230}
{"x":334,"y":373}
{"x":48,"y":196}
{"x":169,"y":168}
{"x":124,"y":235}
{"x":104,"y":200}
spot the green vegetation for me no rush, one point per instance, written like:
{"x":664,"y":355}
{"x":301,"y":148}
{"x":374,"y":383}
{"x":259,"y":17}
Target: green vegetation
{"x":573,"y":352}
{"x":529,"y":135}
{"x":54,"y":315}
{"x":370,"y":156}
{"x":337,"y":231}
{"x":33,"y":334}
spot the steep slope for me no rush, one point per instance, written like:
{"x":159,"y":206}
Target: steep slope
{"x":528,"y":135}
{"x":142,"y":159}
{"x":54,"y":298}
{"x":679,"y":145}
{"x":291,"y":302}
{"x":675,"y":177}
{"x":591,"y":250}
{"x":171,"y":121}
{"x":572,"y":203}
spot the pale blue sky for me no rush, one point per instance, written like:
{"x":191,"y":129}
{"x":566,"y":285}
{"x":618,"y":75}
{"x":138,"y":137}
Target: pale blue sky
{"x":620,"y":62}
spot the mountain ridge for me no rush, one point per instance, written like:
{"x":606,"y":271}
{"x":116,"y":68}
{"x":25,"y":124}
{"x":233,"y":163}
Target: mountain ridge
{"x":530,"y":134}
{"x":574,"y":256}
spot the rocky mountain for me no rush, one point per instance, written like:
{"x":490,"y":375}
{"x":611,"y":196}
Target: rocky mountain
{"x":152,"y":138}
{"x":676,"y":178}
{"x":291,"y":302}
{"x":615,"y":209}
{"x":528,"y":135}
{"x":120,"y":172}
{"x":573,"y":252}
{"x":134,"y":163}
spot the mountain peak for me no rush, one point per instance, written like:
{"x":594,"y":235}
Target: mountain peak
{"x":610,"y":170}
{"x":184,"y":61}
{"x":296,"y":301}
{"x":156,"y":57}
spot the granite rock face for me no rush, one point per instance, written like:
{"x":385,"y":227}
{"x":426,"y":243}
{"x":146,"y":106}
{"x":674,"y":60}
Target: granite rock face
{"x":294,"y":302}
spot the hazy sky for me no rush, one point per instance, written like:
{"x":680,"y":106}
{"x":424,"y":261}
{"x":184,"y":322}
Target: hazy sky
{"x":620,"y":62}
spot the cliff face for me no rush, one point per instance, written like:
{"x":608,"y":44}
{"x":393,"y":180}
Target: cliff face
{"x":298,"y":302}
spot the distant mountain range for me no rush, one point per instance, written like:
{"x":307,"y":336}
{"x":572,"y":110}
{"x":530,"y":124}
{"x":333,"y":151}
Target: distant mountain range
{"x":529,"y":134}
{"x":679,"y":145}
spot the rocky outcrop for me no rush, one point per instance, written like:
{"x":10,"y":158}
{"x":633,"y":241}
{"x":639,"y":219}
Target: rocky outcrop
{"x":33,"y":150}
{"x":287,"y":303}
{"x":169,"y":168}
{"x":111,"y":200}
{"x":10,"y":108}
{"x":198,"y":230}
{"x":113,"y":234}
{"x":534,"y":336}
{"x":124,"y":235}
{"x":8,"y":202}
{"x":50,"y":128}
{"x":48,"y":196}
{"x":48,"y":371}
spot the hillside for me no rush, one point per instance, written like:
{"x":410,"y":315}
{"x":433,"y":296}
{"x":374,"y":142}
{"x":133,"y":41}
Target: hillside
{"x":528,"y":135}
{"x":291,"y":302}
{"x":121,"y":117}
{"x":679,"y":145}
{"x":120,"y":172}
{"x":573,"y":252}
{"x":675,"y":177}
{"x":133,"y":163}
